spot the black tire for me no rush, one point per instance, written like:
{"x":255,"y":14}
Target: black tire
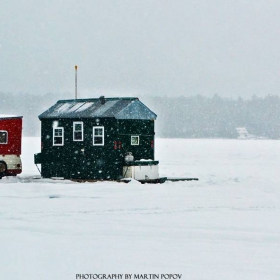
{"x":3,"y":169}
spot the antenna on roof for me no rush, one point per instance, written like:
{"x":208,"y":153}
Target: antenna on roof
{"x":76,"y":80}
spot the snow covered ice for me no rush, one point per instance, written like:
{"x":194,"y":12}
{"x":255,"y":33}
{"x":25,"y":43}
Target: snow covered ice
{"x":224,"y":226}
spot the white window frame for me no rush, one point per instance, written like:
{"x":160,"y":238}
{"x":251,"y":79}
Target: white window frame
{"x":93,"y":135}
{"x":82,"y":124}
{"x":132,"y":136}
{"x":62,"y":128}
{"x":6,"y":137}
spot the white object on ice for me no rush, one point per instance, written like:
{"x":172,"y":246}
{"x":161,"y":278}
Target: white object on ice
{"x":138,"y":172}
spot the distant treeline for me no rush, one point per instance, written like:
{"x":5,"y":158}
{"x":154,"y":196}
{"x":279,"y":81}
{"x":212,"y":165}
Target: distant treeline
{"x":215,"y":117}
{"x":179,"y":117}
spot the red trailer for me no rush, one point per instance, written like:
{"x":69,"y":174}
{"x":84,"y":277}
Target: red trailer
{"x":10,"y":145}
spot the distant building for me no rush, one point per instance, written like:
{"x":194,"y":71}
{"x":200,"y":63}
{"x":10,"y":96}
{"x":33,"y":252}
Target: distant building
{"x":243,"y":133}
{"x":90,"y":138}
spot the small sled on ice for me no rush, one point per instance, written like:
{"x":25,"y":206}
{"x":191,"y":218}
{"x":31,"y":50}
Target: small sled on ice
{"x":145,"y":171}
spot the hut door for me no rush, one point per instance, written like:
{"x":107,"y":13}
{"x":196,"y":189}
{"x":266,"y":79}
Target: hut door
{"x":79,"y":166}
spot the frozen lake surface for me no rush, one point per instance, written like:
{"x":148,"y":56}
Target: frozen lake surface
{"x":224,"y":226}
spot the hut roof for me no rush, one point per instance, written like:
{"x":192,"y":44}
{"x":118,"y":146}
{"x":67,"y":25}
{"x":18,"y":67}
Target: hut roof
{"x":119,"y":108}
{"x":2,"y":116}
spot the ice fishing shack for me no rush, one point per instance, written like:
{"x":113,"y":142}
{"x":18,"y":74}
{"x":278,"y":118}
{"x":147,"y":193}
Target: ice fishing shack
{"x":98,"y":139}
{"x":10,"y":145}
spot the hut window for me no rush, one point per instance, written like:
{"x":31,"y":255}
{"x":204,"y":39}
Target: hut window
{"x":3,"y":137}
{"x":78,"y":131}
{"x":134,"y":140}
{"x":98,"y":136}
{"x":58,"y":136}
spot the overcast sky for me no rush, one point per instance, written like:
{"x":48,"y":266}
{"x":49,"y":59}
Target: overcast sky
{"x":166,"y":47}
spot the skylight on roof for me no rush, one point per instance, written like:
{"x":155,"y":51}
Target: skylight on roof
{"x":65,"y":107}
{"x":76,"y":106}
{"x":85,"y":106}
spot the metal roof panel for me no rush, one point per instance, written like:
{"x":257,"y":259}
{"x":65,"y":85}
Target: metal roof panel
{"x":119,"y":108}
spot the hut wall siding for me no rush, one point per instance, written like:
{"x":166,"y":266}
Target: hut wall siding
{"x":83,"y":160}
{"x":13,"y":127}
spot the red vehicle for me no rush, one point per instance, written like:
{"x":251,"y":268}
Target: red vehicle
{"x":10,"y":145}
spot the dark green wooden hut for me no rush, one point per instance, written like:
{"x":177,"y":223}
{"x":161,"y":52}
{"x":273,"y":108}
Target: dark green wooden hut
{"x":89,"y":138}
